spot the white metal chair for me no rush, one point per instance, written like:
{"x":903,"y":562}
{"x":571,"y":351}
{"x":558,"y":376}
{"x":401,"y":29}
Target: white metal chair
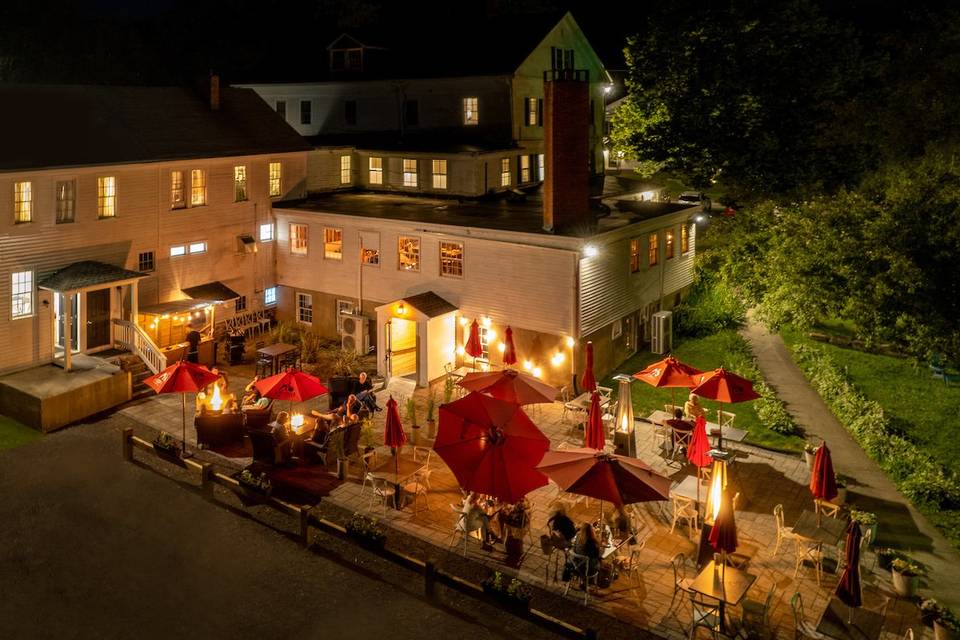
{"x":681,"y":584}
{"x":684,"y":510}
{"x":632,"y":566}
{"x":826,"y":508}
{"x":725,"y":418}
{"x":705,"y":613}
{"x":586,"y":570}
{"x":755,"y":616}
{"x":460,"y":528}
{"x":418,"y":494}
{"x":383,"y":491}
{"x":783,"y":533}
{"x":802,"y":628}
{"x":908,"y":634}
{"x":568,"y":405}
{"x":808,"y":550}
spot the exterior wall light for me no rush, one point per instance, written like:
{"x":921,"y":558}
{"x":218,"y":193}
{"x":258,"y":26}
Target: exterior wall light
{"x":590,"y":251}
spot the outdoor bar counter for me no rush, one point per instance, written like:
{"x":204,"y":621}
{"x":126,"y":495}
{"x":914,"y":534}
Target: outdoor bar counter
{"x":175,"y":352}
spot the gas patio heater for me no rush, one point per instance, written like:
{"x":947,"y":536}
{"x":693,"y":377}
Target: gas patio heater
{"x":624,"y":438}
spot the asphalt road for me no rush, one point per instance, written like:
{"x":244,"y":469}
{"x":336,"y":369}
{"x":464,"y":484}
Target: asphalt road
{"x":94,"y":547}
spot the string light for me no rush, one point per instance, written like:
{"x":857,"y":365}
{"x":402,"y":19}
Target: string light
{"x":570,"y":342}
{"x":501,"y":347}
{"x":460,"y":350}
{"x":486,"y":322}
{"x":491,"y":334}
{"x":463,"y":321}
{"x":537,"y":372}
{"x":527,"y":365}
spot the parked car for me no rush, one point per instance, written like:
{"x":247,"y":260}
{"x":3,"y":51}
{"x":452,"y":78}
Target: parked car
{"x":695,"y":197}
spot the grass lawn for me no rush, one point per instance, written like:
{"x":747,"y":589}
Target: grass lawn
{"x":726,"y":348}
{"x":923,"y":408}
{"x":13,"y":434}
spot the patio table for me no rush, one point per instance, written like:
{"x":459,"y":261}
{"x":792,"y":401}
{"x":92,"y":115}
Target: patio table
{"x":728,"y":585}
{"x":397,"y":473}
{"x":583,"y":401}
{"x":829,"y":532}
{"x":730,"y":434}
{"x":866,"y":625}
{"x":688,"y":488}
{"x":275,"y":352}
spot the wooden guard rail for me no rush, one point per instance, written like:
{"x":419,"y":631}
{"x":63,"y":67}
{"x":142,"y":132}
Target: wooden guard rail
{"x":432,"y":576}
{"x":136,"y":340}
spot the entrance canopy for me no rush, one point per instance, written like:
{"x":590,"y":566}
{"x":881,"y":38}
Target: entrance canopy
{"x":88,"y":274}
{"x":426,"y":305}
{"x":214,"y":291}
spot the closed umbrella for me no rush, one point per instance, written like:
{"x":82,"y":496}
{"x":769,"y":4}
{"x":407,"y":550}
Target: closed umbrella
{"x":394,"y":437}
{"x":182,"y":377}
{"x":473,"y":346}
{"x":509,"y":350}
{"x":669,"y":372}
{"x":724,"y":386}
{"x":723,"y":535}
{"x":510,"y":385}
{"x":593,"y":432}
{"x":588,"y":382}
{"x":848,"y":589}
{"x":491,"y":446}
{"x":697,"y":451}
{"x":823,"y":481}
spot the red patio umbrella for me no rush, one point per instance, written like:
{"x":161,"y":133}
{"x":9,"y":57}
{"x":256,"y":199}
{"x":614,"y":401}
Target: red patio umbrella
{"x":182,"y":377}
{"x":697,"y":451}
{"x":823,"y":481}
{"x":491,"y":446}
{"x":669,"y":372}
{"x":723,"y":535}
{"x":292,"y":385}
{"x":510,"y":385}
{"x":473,"y":346}
{"x":588,"y":382}
{"x":393,"y":434}
{"x":509,"y":351}
{"x":724,"y":386}
{"x":848,"y":589}
{"x":593,"y":432}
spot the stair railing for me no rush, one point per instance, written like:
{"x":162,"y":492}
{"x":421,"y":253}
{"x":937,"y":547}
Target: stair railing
{"x":136,"y":340}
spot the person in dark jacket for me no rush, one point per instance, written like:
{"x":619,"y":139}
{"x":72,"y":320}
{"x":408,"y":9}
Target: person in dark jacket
{"x":193,"y":350}
{"x":363,"y":389}
{"x":561,"y":526}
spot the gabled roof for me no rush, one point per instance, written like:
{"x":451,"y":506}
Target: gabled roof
{"x":88,"y":273}
{"x":430,"y":304}
{"x":46,"y":126}
{"x":346,"y":41}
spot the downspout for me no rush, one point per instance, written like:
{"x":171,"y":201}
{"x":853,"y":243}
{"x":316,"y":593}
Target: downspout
{"x":576,"y":323}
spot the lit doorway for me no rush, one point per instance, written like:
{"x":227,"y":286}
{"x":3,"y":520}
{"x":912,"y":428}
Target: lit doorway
{"x":402,"y":341}
{"x":60,"y":309}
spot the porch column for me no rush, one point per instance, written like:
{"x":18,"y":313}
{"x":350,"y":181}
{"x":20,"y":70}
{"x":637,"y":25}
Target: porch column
{"x":134,"y":297}
{"x":67,"y":310}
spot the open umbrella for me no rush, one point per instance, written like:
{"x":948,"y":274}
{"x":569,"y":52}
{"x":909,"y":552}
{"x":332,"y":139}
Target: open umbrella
{"x":292,"y":385}
{"x":605,"y":476}
{"x":182,"y":377}
{"x":723,"y":535}
{"x":848,"y":589}
{"x":724,"y":386}
{"x":588,"y":382}
{"x":823,"y":482}
{"x":473,"y":346}
{"x":491,"y":446}
{"x":509,"y":350}
{"x":510,"y":385}
{"x":593,"y":432}
{"x":697,"y":451}
{"x":669,"y":372}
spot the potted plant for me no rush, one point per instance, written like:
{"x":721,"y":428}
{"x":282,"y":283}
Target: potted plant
{"x":510,"y":595}
{"x":166,"y":447}
{"x":945,"y":625}
{"x":254,"y":489}
{"x":886,"y":556}
{"x":431,"y":411}
{"x":929,"y":609}
{"x":809,"y":454}
{"x":448,"y":386}
{"x":366,"y":434}
{"x":412,"y":419}
{"x":867,"y":522}
{"x":366,"y":531}
{"x":841,"y":490}
{"x":905,"y":574}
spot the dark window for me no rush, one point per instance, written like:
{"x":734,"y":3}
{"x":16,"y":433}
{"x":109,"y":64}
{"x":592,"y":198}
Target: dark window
{"x":66,"y":200}
{"x":337,"y":59}
{"x":282,"y":108}
{"x":240,"y":304}
{"x":556,"y":58}
{"x":305,"y":112}
{"x":354,"y":60}
{"x":411,"y":113}
{"x":350,"y":111}
{"x":145,"y":262}
{"x":568,"y":59}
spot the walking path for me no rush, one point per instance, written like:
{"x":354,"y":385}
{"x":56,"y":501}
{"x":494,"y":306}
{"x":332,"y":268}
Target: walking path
{"x":900,"y":524}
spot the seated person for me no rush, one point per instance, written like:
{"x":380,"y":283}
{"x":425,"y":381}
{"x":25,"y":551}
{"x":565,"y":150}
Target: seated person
{"x":619,"y":524}
{"x":280,"y":427}
{"x":677,"y":422}
{"x":586,"y":544}
{"x":692,"y":408}
{"x":475,"y":517}
{"x":250,"y":392}
{"x":561,"y":527}
{"x":348,"y":410}
{"x":255,"y":400}
{"x":364,"y":393}
{"x":201,"y":402}
{"x":516,"y":515}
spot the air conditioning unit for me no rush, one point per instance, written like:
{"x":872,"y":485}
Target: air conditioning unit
{"x":354,"y":333}
{"x":661,"y":332}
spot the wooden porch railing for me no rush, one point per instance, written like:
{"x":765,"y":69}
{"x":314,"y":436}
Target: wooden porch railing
{"x":132,"y":337}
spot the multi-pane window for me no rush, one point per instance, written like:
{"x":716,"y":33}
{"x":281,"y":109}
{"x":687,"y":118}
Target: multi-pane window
{"x":21,"y":297}
{"x":178,"y":250}
{"x":408,"y":250}
{"x":198,"y":247}
{"x":439,"y":174}
{"x":270,"y":296}
{"x":635,"y":255}
{"x":275,"y":175}
{"x":409,"y":172}
{"x":178,"y":198}
{"x":298,"y":239}
{"x":198,"y":187}
{"x":66,"y":200}
{"x":106,"y":197}
{"x":22,"y":201}
{"x":484,"y":343}
{"x":653,"y":252}
{"x":541,"y":166}
{"x":668,"y":243}
{"x":524,"y":168}
{"x":534,"y":112}
{"x":350,"y":111}
{"x":282,"y":108}
{"x":333,"y":244}
{"x":370,"y":248}
{"x":504,"y":172}
{"x":266,"y":232}
{"x":305,"y":114}
{"x":684,"y":238}
{"x":344,"y":169}
{"x":376,"y":170}
{"x":239,"y":183}
{"x":471,"y":115}
{"x":240,"y":304}
{"x":305,"y":308}
{"x":451,"y":259}
{"x":146,"y":261}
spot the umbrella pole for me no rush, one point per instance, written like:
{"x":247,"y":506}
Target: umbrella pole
{"x":720,"y":428}
{"x":698,"y":496}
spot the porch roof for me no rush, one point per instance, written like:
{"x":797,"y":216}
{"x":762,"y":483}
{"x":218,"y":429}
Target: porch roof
{"x":430,"y":304}
{"x":174,"y":306}
{"x":216,"y":291}
{"x":87,"y":274}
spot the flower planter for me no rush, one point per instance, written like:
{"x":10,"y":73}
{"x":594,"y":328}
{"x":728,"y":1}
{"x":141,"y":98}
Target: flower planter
{"x":872,"y":528}
{"x":809,"y":457}
{"x":170,"y":454}
{"x":415,"y":435}
{"x":505,"y":600}
{"x":942,"y":632}
{"x":372,"y":543}
{"x":904,"y":586}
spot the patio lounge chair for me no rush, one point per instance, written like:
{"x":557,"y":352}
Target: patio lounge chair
{"x":268,"y":448}
{"x":258,"y":418}
{"x":218,"y":429}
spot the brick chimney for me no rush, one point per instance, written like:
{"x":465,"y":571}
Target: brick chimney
{"x":566,"y":185}
{"x":214,"y":91}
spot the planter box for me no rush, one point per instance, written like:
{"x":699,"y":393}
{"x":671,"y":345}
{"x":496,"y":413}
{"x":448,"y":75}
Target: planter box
{"x":809,"y":457}
{"x":250,"y":496}
{"x":904,"y":586}
{"x":941,"y":632}
{"x":505,"y":600}
{"x":373,"y":544}
{"x":170,"y":455}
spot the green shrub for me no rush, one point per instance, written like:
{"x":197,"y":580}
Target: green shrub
{"x":711,"y":307}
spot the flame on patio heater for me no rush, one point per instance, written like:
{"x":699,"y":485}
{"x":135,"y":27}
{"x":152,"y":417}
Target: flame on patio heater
{"x":718,"y":482}
{"x":216,"y":401}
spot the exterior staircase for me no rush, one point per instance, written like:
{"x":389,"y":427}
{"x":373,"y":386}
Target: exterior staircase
{"x":138,"y":373}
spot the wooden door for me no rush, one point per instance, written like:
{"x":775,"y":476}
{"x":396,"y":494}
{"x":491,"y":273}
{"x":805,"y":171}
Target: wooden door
{"x":98,"y":318}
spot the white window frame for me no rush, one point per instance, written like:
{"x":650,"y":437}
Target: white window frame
{"x":275,"y":179}
{"x":178,"y":250}
{"x":240,"y":183}
{"x":106,"y":197}
{"x":304,"y":310}
{"x":525,"y":173}
{"x":63,"y":206}
{"x":471,"y":111}
{"x":200,"y":246}
{"x":198,"y":187}
{"x":178,"y":194}
{"x":240,"y":304}
{"x":375,"y":165}
{"x":266,"y":232}
{"x":345,"y":170}
{"x":444,"y":262}
{"x":401,"y":252}
{"x":410,"y":169}
{"x":21,"y":295}
{"x":270,"y":296}
{"x":295,"y":247}
{"x":505,"y":172}
{"x":23,"y":201}
{"x":439,"y":173}
{"x":328,"y":254}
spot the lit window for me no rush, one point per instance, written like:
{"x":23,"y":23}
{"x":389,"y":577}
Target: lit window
{"x":408,"y":250}
{"x":484,"y":343}
{"x":198,"y":187}
{"x":376,"y":170}
{"x":270,"y":295}
{"x":668,"y":244}
{"x":282,"y":108}
{"x":266,"y":232}
{"x":524,"y":168}
{"x":240,"y":304}
{"x":22,"y":201}
{"x":470,"y":113}
{"x":66,"y":200}
{"x":684,"y":238}
{"x":370,"y":248}
{"x":298,"y":239}
{"x":531,"y":112}
{"x":177,"y":197}
{"x":451,"y":259}
{"x":305,"y":308}
{"x":146,"y":262}
{"x":107,"y":197}
{"x":239,"y":183}
{"x":178,"y":250}
{"x":541,"y":166}
{"x":198,"y":247}
{"x":652,"y":250}
{"x":344,"y":169}
{"x":439,"y":174}
{"x":333,"y":244}
{"x":305,"y":115}
{"x":21,"y":294}
{"x":409,"y":172}
{"x":275,"y":173}
{"x":504,"y":172}
{"x":635,"y":255}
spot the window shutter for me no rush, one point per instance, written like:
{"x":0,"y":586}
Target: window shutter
{"x":539,"y":112}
